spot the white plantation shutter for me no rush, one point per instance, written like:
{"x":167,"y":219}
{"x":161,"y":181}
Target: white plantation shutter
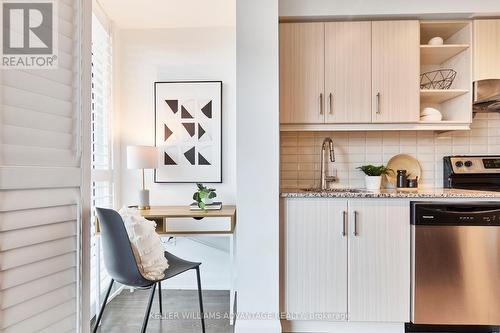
{"x":102,"y":166}
{"x":41,"y":186}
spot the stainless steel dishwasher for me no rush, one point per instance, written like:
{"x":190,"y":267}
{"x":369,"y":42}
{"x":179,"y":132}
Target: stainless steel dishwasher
{"x":456,"y":263}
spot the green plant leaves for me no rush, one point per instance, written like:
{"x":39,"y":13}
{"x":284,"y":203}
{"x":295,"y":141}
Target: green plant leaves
{"x":372,"y":170}
{"x":202,"y":193}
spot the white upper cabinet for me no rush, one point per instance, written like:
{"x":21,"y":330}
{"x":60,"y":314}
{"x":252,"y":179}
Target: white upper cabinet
{"x":315,"y":262}
{"x":302,"y":68}
{"x":379,"y":260}
{"x":348,"y":72}
{"x":395,"y":71}
{"x":486,"y":49}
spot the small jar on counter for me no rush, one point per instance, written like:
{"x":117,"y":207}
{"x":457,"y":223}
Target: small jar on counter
{"x":401,"y":179}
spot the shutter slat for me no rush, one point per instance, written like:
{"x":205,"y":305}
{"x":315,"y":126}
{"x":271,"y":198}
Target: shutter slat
{"x":27,"y":255}
{"x":65,"y":44}
{"x":65,"y":61}
{"x":60,"y":75}
{"x":37,"y":198}
{"x":19,"y":294}
{"x":36,"y":84}
{"x":36,"y":102}
{"x":65,"y":11}
{"x":65,"y":27}
{"x":38,"y":305}
{"x":18,"y":238}
{"x":46,"y":319}
{"x":38,"y":177}
{"x":36,"y":217}
{"x":38,"y":156}
{"x":64,"y":325}
{"x":37,"y":120}
{"x":68,"y":3}
{"x":24,"y":274}
{"x":36,"y":138}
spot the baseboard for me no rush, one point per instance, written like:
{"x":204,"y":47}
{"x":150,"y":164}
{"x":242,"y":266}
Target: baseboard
{"x":260,"y":326}
{"x":412,"y":328}
{"x":300,"y":326}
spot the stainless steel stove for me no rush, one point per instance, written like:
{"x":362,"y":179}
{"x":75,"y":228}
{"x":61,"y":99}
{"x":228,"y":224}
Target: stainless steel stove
{"x":472,"y":172}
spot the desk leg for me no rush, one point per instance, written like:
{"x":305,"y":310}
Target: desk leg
{"x":232,"y":291}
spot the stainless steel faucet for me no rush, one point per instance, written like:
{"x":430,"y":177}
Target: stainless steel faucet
{"x":325,"y":179}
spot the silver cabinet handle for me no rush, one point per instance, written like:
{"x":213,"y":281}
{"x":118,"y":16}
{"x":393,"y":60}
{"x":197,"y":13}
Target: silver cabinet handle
{"x":330,"y":99}
{"x":378,"y":103}
{"x":355,"y":224}
{"x":344,"y":223}
{"x":321,"y":103}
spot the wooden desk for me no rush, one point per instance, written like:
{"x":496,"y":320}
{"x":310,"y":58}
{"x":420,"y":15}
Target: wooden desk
{"x":181,"y":220}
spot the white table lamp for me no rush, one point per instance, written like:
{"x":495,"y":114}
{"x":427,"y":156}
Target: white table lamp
{"x":142,"y":157}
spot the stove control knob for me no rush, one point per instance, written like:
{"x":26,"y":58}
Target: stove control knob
{"x":468,"y":164}
{"x":459,"y":164}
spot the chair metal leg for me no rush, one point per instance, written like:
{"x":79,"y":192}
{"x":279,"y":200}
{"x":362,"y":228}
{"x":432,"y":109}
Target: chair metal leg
{"x":148,"y":309}
{"x":159,"y":296}
{"x":202,"y":314}
{"x":98,"y":320}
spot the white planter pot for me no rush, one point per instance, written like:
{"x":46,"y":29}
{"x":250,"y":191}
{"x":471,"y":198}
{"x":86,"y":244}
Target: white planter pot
{"x":373,"y":183}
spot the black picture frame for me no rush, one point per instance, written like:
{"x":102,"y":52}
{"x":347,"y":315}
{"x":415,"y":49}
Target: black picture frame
{"x":155,"y":84}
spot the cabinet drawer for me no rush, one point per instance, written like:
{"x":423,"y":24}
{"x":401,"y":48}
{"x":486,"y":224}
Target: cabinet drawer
{"x":203,"y":224}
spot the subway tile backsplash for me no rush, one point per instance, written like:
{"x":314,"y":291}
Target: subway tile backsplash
{"x":300,"y":152}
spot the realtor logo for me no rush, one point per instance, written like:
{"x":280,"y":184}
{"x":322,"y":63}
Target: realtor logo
{"x":29,"y":34}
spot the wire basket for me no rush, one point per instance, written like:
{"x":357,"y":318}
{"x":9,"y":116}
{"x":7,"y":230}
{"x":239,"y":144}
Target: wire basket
{"x":438,"y":79}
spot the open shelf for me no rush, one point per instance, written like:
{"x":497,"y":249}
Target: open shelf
{"x":438,"y":96}
{"x":443,"y":29}
{"x":417,"y":126}
{"x":437,"y":54}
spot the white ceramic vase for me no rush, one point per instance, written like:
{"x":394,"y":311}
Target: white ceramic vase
{"x":373,"y":183}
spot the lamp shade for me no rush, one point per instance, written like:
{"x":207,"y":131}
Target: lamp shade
{"x":141,"y":157}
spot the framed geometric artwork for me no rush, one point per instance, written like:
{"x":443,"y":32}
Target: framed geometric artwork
{"x":188,"y":131}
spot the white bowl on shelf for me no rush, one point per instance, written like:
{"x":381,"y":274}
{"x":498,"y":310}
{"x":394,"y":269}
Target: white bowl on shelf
{"x":436,"y":41}
{"x":428,"y":111}
{"x":434,"y":117}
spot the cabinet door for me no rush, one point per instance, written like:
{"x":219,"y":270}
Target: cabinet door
{"x":379,"y":260}
{"x":315,"y":249}
{"x":396,"y":71}
{"x":486,"y":49}
{"x":348,"y":72}
{"x":302,"y":72}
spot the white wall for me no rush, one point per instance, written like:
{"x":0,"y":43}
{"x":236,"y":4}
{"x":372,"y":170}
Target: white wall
{"x":322,"y":8}
{"x":257,"y":163}
{"x":143,"y":57}
{"x":150,"y":55}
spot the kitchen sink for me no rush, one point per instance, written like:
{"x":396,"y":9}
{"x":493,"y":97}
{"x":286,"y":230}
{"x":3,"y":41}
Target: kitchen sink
{"x":333,"y":190}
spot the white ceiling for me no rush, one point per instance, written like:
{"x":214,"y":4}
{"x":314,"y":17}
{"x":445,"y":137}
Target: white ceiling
{"x":156,"y":14}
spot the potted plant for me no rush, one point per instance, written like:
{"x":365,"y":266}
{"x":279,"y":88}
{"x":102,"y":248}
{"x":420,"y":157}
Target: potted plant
{"x":373,"y":175}
{"x":204,"y":196}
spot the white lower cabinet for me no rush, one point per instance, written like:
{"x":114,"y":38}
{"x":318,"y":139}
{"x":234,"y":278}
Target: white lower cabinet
{"x":379,"y":260}
{"x":315,"y":268}
{"x":360,"y":267}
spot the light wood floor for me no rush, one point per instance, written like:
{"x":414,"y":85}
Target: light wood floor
{"x":125,"y":313}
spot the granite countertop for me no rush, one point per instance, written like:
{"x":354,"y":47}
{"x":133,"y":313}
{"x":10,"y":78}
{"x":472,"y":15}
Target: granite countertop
{"x":360,"y":193}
